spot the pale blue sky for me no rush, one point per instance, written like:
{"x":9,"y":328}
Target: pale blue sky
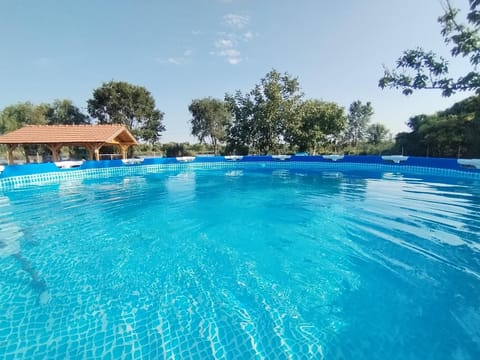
{"x":186,"y":49}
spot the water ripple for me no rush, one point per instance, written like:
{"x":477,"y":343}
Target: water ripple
{"x":241,"y":264}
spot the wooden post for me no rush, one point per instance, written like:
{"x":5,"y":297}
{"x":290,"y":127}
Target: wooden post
{"x":124,"y":150}
{"x":10,"y":148}
{"x":94,"y":150}
{"x":55,"y":149}
{"x":89,"y":148}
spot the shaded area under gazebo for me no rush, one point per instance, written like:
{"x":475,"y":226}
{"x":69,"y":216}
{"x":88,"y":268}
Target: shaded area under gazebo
{"x":91,"y":137}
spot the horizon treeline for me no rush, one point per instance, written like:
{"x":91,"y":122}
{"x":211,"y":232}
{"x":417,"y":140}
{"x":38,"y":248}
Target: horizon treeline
{"x":273,"y":117}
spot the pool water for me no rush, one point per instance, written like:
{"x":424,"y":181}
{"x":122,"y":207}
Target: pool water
{"x":242,"y":264}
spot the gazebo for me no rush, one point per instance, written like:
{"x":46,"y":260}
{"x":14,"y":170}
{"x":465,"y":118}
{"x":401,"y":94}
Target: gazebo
{"x":92,"y":137}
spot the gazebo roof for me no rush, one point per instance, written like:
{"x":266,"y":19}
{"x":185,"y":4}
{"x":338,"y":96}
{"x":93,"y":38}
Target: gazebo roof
{"x":70,"y":135}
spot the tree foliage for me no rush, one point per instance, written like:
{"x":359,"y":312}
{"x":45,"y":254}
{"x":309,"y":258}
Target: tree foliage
{"x":320,"y":122}
{"x":453,"y":132}
{"x":210,"y":120}
{"x":270,"y":118}
{"x":358,"y":118}
{"x":274,"y":117}
{"x":63,"y":112}
{"x":60,"y":112}
{"x":262,"y":116}
{"x":241,"y":136}
{"x":21,"y":114}
{"x":377,"y":133}
{"x":118,"y":102}
{"x":18,"y":115}
{"x":419,"y":69}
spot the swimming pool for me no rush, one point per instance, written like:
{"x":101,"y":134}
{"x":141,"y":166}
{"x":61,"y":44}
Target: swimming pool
{"x":271,"y":263}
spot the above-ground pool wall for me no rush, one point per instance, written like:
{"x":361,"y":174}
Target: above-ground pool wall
{"x":21,"y":175}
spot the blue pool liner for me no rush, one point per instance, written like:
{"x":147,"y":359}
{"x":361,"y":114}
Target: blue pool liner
{"x":420,"y":165}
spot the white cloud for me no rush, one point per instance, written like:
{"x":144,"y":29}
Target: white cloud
{"x":226,"y":47}
{"x":247,"y":36}
{"x":227,"y":43}
{"x":175,"y":61}
{"x":230,"y":53}
{"x":236,"y":21}
{"x":224,"y":43}
{"x":234,"y":61}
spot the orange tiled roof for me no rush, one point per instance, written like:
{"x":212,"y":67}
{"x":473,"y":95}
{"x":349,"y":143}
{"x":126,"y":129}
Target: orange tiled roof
{"x":69,"y":134}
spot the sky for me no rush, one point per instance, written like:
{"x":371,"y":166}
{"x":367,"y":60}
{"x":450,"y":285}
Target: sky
{"x":181,"y":50}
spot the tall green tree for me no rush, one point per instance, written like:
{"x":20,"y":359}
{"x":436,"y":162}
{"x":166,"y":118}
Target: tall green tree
{"x":453,"y":132}
{"x":469,"y":108}
{"x":443,"y":136}
{"x":419,"y":69}
{"x":416,"y":142}
{"x":65,"y":113}
{"x":377,"y":133}
{"x":358,"y":118}
{"x":262,"y":116}
{"x":320,"y":122}
{"x":118,"y":102}
{"x":210,"y":120}
{"x":241,"y":135}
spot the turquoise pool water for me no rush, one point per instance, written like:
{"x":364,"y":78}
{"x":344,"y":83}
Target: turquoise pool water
{"x":242,"y":264}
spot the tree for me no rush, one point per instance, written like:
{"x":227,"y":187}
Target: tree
{"x":152,"y":128}
{"x":173,"y":149}
{"x":320,"y":122}
{"x":16,"y":116}
{"x":262,"y":116}
{"x":358,"y":117}
{"x":376,"y":133}
{"x":118,"y":102}
{"x":241,"y":135}
{"x":63,"y":112}
{"x":444,"y":135}
{"x":25,"y":113}
{"x":210,"y":119}
{"x":419,"y":69}
{"x":453,"y":132}
{"x":470,"y":108}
